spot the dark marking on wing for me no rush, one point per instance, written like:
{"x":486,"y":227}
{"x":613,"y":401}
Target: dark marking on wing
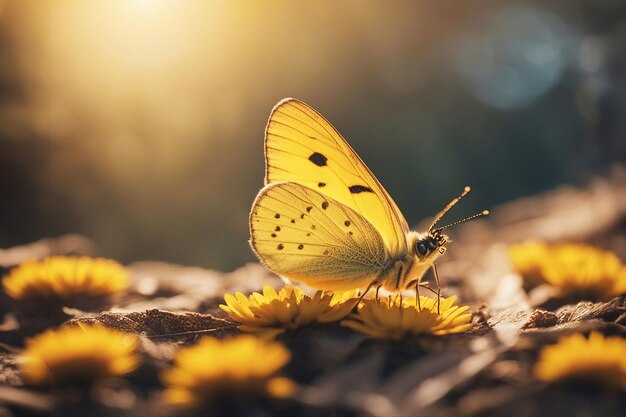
{"x":347,"y":223}
{"x":325,"y":205}
{"x":302,"y":216}
{"x":293,"y":221}
{"x":277,"y":229}
{"x":280,"y":246}
{"x":326,"y":252}
{"x":318,"y":159}
{"x":308,"y":209}
{"x":273,"y":234}
{"x":277,"y":216}
{"x":300,"y":246}
{"x":356,"y":189}
{"x":321,"y":184}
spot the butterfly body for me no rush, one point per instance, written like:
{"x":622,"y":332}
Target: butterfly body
{"x":323,"y":218}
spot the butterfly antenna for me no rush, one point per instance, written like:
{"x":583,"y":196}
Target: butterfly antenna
{"x":481,"y":214}
{"x":448,"y":207}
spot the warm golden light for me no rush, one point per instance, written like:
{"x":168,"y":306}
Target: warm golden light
{"x":112,"y":105}
{"x":130,"y":90}
{"x":143,"y":5}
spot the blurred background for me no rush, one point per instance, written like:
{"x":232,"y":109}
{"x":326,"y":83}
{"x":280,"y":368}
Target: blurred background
{"x":139,"y":123}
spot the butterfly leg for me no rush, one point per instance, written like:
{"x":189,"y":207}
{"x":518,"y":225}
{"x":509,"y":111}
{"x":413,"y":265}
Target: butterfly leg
{"x":428,"y":288}
{"x":369,"y":287}
{"x":418,"y":303}
{"x":365,"y":292}
{"x":438,"y":288}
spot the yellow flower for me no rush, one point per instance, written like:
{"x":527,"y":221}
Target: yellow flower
{"x":577,"y":271}
{"x":271,"y":313}
{"x":65,"y":278}
{"x":528,"y":259}
{"x":388,"y":318}
{"x":81,"y":354}
{"x":597,"y":359}
{"x":238,"y":368}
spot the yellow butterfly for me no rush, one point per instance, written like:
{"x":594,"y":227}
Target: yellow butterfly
{"x":323,"y":218}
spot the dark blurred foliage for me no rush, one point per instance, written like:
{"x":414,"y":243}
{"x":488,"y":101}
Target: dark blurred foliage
{"x":139,"y":123}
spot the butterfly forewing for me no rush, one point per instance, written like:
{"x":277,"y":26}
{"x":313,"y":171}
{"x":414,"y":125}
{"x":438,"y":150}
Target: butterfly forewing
{"x":309,"y":237}
{"x":302,"y":147}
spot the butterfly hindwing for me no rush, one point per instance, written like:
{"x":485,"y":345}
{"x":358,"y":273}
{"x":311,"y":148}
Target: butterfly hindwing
{"x":302,"y":147}
{"x":309,"y":237}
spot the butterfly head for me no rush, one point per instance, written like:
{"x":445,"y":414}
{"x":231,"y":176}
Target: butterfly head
{"x":430,"y":245}
{"x":423,"y":251}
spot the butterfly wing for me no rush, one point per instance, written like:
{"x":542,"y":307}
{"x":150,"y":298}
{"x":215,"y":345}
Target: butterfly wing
{"x":303,"y":147}
{"x":308,"y":237}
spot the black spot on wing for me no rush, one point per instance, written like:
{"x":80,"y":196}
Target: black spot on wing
{"x":280,"y":246}
{"x":356,"y":189}
{"x":325,"y":205}
{"x":318,"y":159}
{"x":321,"y":184}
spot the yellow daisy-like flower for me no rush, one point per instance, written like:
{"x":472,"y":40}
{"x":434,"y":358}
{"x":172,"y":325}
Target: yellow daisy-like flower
{"x":65,"y":278}
{"x":577,"y":271}
{"x":596,"y":359}
{"x":528,"y":259}
{"x":390,"y":318}
{"x":271,"y":313}
{"x":78,"y":355}
{"x":239,"y":368}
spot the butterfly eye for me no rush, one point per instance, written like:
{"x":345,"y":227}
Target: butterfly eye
{"x":422,"y":248}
